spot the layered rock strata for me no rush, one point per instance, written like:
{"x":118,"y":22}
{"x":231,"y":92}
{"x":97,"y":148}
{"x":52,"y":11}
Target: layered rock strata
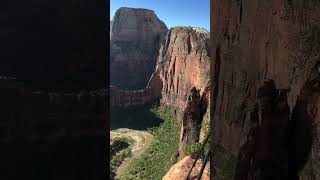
{"x":184,"y":67}
{"x":135,"y":41}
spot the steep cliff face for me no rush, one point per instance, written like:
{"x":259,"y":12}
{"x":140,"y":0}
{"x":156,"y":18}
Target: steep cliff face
{"x":266,"y":72}
{"x":184,"y":66}
{"x":135,"y":41}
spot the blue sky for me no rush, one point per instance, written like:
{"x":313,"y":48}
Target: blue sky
{"x":194,"y":13}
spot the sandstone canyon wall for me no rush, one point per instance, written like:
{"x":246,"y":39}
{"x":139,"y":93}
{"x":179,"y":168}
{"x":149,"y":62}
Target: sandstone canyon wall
{"x":135,"y":41}
{"x":266,"y":71}
{"x":184,"y":66}
{"x":181,"y":80}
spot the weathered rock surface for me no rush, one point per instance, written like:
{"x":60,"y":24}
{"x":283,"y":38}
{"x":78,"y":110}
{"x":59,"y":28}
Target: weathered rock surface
{"x":180,"y":170}
{"x":135,"y":41}
{"x":183,"y":64}
{"x":266,"y":72}
{"x":184,"y":67}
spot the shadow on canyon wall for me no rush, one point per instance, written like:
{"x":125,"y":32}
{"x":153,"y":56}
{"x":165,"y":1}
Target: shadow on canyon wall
{"x":280,"y":147}
{"x":303,"y":129}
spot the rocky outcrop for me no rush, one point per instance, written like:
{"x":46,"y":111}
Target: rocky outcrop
{"x":181,"y":169}
{"x":266,"y":86}
{"x":183,"y":64}
{"x":184,"y":67}
{"x":135,"y":42}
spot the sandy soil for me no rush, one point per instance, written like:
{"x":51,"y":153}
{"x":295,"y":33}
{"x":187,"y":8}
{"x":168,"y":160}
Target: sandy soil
{"x":141,"y":141}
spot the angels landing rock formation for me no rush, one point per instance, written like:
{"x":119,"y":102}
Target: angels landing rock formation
{"x":267,"y":89}
{"x":135,"y":41}
{"x":183,"y":66}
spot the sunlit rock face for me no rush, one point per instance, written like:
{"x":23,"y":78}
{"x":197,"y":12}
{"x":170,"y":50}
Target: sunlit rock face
{"x":136,"y":35}
{"x":184,"y":69}
{"x":180,"y":170}
{"x":183,"y":64}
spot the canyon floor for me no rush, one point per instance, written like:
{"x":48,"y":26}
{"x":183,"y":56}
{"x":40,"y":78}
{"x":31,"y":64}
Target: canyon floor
{"x":153,"y":135}
{"x":141,"y":139}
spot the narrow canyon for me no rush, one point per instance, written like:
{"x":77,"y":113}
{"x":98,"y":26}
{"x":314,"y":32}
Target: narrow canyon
{"x":177,"y":77}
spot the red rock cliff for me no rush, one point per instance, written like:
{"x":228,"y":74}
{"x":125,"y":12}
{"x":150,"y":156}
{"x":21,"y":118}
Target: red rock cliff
{"x":184,"y":66}
{"x":267,"y":85}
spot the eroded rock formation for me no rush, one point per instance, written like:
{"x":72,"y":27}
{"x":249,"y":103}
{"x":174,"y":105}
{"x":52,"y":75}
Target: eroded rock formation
{"x":266,"y":72}
{"x":183,"y":64}
{"x":184,"y":67}
{"x":180,"y":80}
{"x":136,"y":35}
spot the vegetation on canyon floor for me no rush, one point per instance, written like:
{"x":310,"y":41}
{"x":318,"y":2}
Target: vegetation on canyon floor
{"x":119,"y":150}
{"x":161,"y":154}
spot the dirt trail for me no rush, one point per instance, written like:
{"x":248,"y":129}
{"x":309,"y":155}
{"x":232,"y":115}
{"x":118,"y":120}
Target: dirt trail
{"x":141,"y":141}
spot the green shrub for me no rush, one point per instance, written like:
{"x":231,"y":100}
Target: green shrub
{"x":118,"y":158}
{"x":158,"y":157}
{"x":193,"y":150}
